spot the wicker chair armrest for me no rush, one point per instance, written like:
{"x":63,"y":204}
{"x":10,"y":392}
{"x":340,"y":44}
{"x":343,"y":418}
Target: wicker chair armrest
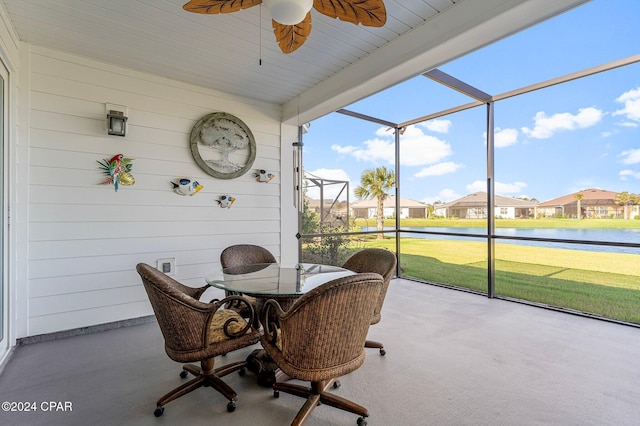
{"x":272,"y":315}
{"x":197,"y":292}
{"x":174,"y":289}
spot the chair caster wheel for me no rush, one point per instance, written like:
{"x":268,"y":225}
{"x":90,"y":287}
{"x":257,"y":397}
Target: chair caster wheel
{"x":362,"y":421}
{"x":242,"y":372}
{"x":158,"y":412}
{"x":382,"y":352}
{"x":184,"y":374}
{"x":337,"y":384}
{"x":231,"y":407}
{"x":276,"y":394}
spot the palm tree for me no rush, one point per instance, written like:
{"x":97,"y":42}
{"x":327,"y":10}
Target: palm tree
{"x":579,"y":198}
{"x":622,"y":199}
{"x":374,"y":183}
{"x":634,"y":200}
{"x":430,"y":209}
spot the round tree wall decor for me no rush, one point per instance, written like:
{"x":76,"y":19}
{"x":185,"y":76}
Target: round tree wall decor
{"x":223,"y":145}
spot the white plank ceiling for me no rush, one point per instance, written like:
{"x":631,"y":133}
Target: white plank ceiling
{"x":237,"y":53}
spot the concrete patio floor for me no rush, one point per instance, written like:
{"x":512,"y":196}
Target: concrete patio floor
{"x":453,"y":358}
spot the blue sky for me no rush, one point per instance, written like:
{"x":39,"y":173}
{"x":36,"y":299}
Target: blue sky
{"x":549,"y":143}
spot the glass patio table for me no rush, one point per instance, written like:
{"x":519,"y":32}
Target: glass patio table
{"x":266,"y":281}
{"x":272,"y":281}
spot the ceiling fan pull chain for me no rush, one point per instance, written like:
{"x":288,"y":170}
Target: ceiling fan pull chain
{"x":260,"y":37}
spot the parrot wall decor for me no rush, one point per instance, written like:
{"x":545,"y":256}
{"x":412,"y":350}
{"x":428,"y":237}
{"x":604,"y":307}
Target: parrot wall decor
{"x":118,"y":171}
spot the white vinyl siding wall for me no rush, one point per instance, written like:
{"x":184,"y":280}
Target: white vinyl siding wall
{"x":84,"y":239}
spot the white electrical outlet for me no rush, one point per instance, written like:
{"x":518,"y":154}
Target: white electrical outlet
{"x":167,"y":265}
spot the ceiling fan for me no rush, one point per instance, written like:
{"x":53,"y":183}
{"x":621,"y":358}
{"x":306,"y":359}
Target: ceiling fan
{"x":291,"y":19}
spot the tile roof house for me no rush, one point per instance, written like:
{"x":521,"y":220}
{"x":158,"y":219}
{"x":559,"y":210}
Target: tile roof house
{"x":408,"y":208}
{"x":332,"y":211}
{"x":474,"y":206}
{"x":596,"y":203}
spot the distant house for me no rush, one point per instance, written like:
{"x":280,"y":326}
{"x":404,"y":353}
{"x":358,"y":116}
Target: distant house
{"x":595,"y":203}
{"x":474,"y":206}
{"x":333,"y":210}
{"x":408,"y":208}
{"x":314,"y":205}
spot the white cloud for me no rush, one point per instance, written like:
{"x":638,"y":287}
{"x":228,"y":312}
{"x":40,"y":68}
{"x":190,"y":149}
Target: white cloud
{"x":545,"y":126}
{"x":330,"y":191}
{"x":503,"y":137}
{"x":476,"y":186}
{"x":385,"y":132}
{"x":500,"y":188}
{"x":436,"y":125}
{"x":626,"y":174}
{"x":343,"y":149}
{"x":438,"y":169}
{"x":631,"y":101}
{"x":627,"y":124}
{"x":416,"y":148}
{"x":631,"y":156}
{"x":376,"y":151}
{"x":443,"y":196}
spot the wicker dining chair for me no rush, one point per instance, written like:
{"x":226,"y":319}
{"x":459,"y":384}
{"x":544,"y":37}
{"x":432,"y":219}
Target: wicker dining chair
{"x":321,"y":338}
{"x":241,"y":255}
{"x":245,"y":254}
{"x":382,"y":262}
{"x":197,"y":331}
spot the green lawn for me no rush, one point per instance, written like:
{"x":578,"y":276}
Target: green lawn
{"x":606,"y":284}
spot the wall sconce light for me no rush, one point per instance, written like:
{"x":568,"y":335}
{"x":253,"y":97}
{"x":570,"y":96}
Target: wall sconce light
{"x":116,"y":123}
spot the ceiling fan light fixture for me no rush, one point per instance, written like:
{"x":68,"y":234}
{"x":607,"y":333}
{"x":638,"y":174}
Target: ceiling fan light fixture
{"x":288,"y":12}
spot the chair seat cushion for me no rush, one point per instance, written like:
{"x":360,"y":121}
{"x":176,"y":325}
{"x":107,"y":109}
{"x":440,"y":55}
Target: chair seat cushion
{"x":216,"y":327}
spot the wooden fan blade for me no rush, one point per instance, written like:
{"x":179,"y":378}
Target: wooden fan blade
{"x":370,"y":13}
{"x":219,"y":6}
{"x":291,"y":37}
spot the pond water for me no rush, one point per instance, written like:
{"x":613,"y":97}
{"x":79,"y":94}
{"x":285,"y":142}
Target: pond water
{"x":605,"y":235}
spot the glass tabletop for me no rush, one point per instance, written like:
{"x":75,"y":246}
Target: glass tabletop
{"x":274,"y":280}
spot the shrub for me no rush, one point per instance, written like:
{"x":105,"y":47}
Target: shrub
{"x":331,"y":249}
{"x":310,"y":220}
